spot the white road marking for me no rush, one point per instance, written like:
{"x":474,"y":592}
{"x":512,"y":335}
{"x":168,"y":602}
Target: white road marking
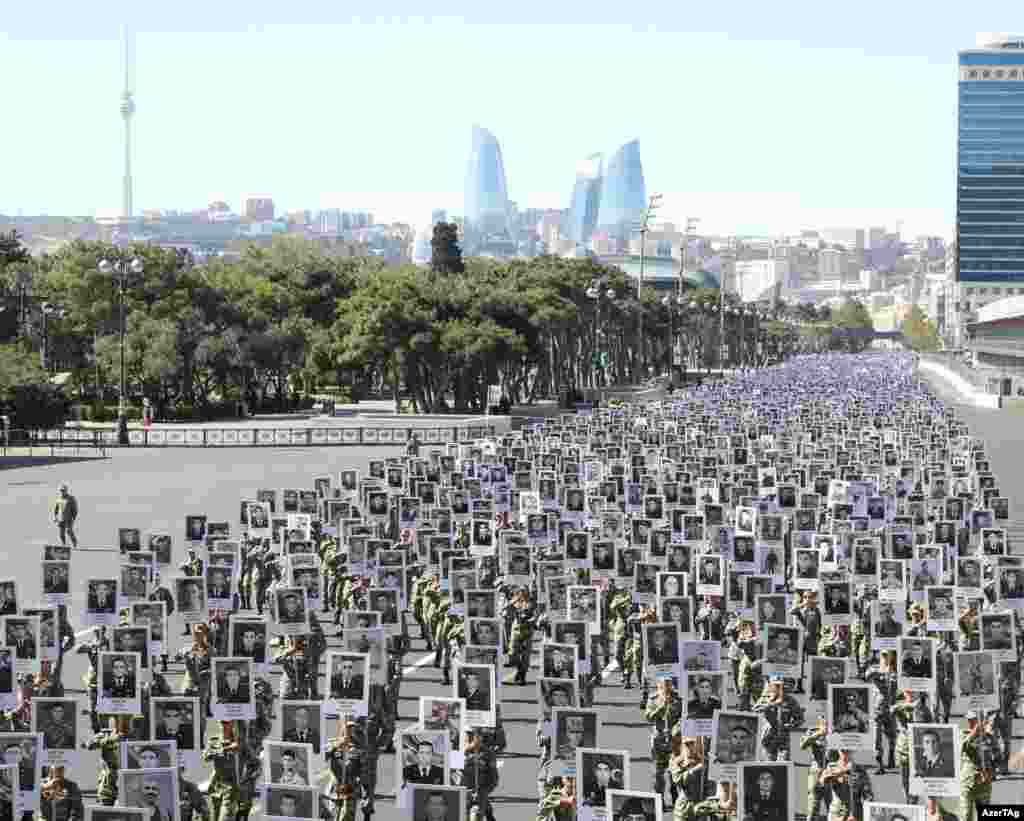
{"x":412,"y":667}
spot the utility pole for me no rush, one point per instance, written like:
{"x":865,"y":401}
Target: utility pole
{"x":652,"y":204}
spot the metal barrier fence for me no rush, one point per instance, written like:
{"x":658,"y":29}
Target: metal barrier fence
{"x":261,"y":437}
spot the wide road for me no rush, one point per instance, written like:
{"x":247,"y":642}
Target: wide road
{"x":155,"y":489}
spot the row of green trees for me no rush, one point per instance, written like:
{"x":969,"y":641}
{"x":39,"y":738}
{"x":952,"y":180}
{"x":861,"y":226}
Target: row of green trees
{"x":291,"y":319}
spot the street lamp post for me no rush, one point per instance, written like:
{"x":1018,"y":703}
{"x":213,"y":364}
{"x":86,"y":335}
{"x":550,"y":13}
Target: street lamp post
{"x":122,"y":268}
{"x":595,"y":292}
{"x":57,"y":312}
{"x":653,"y":202}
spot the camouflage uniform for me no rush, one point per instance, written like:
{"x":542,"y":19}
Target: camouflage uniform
{"x":689,"y":786}
{"x":109,"y":746}
{"x":977,"y":768}
{"x":99,"y":644}
{"x":523,"y":622}
{"x":552,"y":805}
{"x":749,"y":679}
{"x":945,"y":659}
{"x":712,"y":808}
{"x":663,"y":719}
{"x":905,"y":715}
{"x":480,"y":778}
{"x":68,"y":808}
{"x":850,"y":796}
{"x":619,"y":608}
{"x":224,"y":791}
{"x":191,"y":800}
{"x":781,"y":718}
{"x":346,"y":770}
{"x":885,"y":726}
{"x":814,"y":741}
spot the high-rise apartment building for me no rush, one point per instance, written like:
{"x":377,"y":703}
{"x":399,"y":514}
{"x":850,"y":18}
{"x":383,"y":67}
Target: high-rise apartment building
{"x":990,"y":164}
{"x":258,"y":208}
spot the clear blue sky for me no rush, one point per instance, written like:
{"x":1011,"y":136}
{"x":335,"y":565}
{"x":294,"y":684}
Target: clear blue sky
{"x":756,"y":117}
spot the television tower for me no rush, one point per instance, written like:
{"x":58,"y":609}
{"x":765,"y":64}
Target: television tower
{"x":127,"y":112}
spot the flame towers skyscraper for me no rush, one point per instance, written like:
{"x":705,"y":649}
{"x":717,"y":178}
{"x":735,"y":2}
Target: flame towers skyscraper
{"x":487,"y":207}
{"x":127,"y":112}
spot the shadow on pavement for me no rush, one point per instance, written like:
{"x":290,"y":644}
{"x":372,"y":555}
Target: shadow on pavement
{"x":26,"y":461}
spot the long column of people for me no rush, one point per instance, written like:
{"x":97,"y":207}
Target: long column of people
{"x":809,"y":560}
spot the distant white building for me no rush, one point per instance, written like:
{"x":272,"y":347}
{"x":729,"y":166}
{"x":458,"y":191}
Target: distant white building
{"x":755,"y":278}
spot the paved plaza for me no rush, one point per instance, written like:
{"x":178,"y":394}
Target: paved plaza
{"x":155,"y":489}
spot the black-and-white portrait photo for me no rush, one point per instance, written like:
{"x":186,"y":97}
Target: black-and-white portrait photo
{"x":824,"y":671}
{"x":119,"y":683}
{"x":56,"y":719}
{"x":766,"y":791}
{"x":176,"y":718}
{"x":997,"y":632}
{"x":21,"y":634}
{"x":597,"y":772}
{"x":422,"y":757}
{"x":633,"y":805}
{"x":975,"y":674}
{"x":56,"y":580}
{"x":249,"y":638}
{"x":288,"y":763}
{"x":573,"y":728}
{"x":300,"y":723}
{"x":557,"y":692}
{"x":917,"y":663}
{"x":291,"y":803}
{"x":349,"y":677}
{"x":150,"y":755}
{"x":132,"y":640}
{"x":431,"y":802}
{"x":661,"y":643}
{"x":190,"y":597}
{"x":850,"y":716}
{"x":232,"y":690}
{"x":935,"y":759}
{"x":781,"y":649}
{"x":734,"y":737}
{"x":154,"y":790}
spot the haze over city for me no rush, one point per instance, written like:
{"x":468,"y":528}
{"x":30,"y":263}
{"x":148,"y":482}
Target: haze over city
{"x":786,"y":121}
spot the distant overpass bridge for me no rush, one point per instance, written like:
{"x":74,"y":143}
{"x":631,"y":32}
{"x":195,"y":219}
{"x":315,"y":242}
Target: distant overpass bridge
{"x":869,"y":334}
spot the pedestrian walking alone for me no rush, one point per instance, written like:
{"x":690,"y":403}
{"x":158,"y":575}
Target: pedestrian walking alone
{"x":65,"y":511}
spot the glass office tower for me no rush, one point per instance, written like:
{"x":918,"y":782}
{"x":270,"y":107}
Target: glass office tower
{"x":487,"y":207}
{"x":990,"y":162}
{"x":586,"y":199}
{"x":623,"y":193}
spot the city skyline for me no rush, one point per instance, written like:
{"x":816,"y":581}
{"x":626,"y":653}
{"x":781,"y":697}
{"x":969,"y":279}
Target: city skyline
{"x":757,"y":118}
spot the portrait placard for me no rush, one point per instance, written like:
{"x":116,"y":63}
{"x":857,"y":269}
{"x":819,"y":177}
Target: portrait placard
{"x":935,"y":759}
{"x":572,"y":728}
{"x":56,"y":582}
{"x":422,"y":758}
{"x":432,"y":802}
{"x":176,"y":718}
{"x":703,"y":693}
{"x":101,"y":602}
{"x":119,"y":684}
{"x":734,"y":737}
{"x":917,"y":664}
{"x":631,"y":804}
{"x":232,"y":693}
{"x":288,"y":764}
{"x":597,"y":772}
{"x":850,"y":719}
{"x":152,"y":790}
{"x":55,"y":720}
{"x":766,"y":790}
{"x":349,"y":677}
{"x":475,"y":684}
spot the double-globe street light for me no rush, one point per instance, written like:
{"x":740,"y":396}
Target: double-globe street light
{"x":122,"y":269}
{"x":598,"y":289}
{"x":49,"y":310}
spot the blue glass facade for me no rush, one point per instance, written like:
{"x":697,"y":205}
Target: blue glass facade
{"x":586,"y":199}
{"x":486,"y":195}
{"x":623,"y":193}
{"x":990,"y":167}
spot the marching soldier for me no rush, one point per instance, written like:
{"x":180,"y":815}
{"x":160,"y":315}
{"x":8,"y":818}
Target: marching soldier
{"x":977,"y":768}
{"x":814,"y":741}
{"x":909,"y":710}
{"x":783,"y":713}
{"x":885,"y":679}
{"x":224,"y":791}
{"x":749,"y":679}
{"x":559,"y":800}
{"x":524,"y":620}
{"x":945,"y":659}
{"x":108,"y":742}
{"x":344,"y":758}
{"x":60,"y":798}
{"x":99,"y":644}
{"x":809,"y":615}
{"x":970,"y":638}
{"x":851,"y":788}
{"x":197,"y":672}
{"x":663,"y":714}
{"x":479,"y":775}
{"x":687,"y":771}
{"x":722,"y":807}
